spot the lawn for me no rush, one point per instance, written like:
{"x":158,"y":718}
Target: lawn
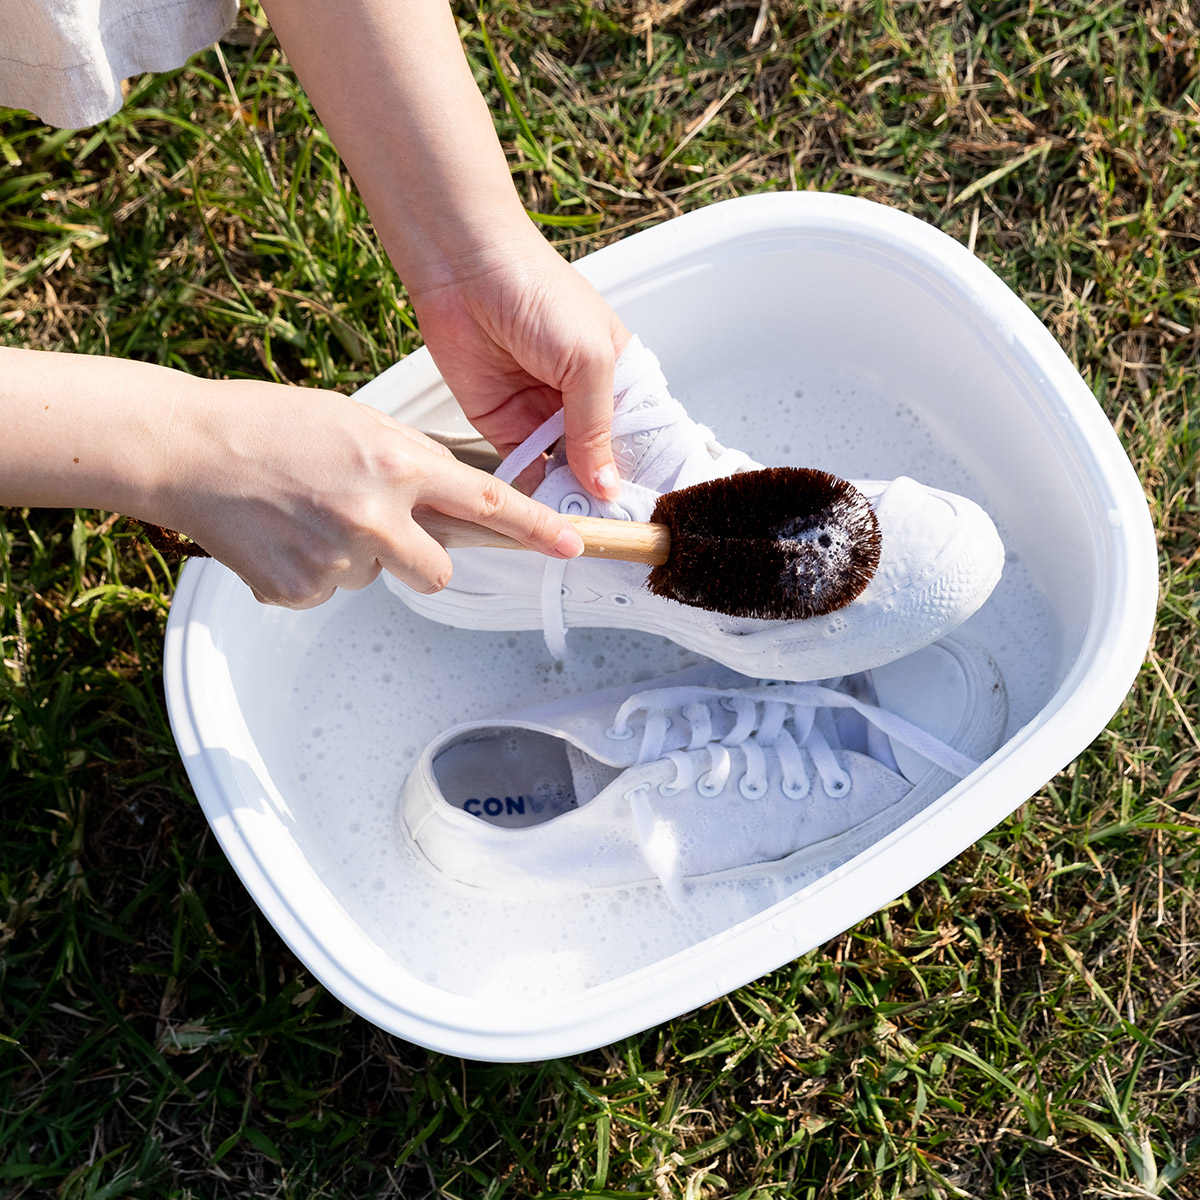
{"x":1023,"y":1024}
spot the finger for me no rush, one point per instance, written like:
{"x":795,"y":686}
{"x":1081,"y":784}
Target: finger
{"x":417,"y":560}
{"x":462,"y":491}
{"x":360,"y":575}
{"x":530,"y":479}
{"x":587,"y":393}
{"x":309,"y":588}
{"x":297,"y":579}
{"x":313,"y":600}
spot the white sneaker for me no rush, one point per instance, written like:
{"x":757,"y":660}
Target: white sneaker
{"x":941,"y":556}
{"x":701,"y":775}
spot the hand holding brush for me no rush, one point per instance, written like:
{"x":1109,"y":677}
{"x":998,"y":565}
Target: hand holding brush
{"x":786,"y":543}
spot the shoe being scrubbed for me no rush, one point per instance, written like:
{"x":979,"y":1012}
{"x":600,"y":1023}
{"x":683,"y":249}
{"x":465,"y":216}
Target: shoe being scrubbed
{"x":940,"y":556}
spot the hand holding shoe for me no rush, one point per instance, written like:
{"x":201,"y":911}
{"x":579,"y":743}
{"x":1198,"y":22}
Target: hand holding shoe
{"x":520,"y":335}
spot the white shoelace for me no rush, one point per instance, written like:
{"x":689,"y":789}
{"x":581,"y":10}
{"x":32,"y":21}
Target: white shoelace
{"x":761,"y":716}
{"x":805,"y":705}
{"x":643,"y":408}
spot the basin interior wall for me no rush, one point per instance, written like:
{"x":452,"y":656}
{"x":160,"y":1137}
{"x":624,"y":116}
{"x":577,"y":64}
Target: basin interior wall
{"x":799,"y":347}
{"x":864,"y":321}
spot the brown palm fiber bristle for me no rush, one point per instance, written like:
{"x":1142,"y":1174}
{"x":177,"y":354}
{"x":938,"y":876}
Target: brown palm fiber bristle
{"x":171,"y":545}
{"x":785,"y":543}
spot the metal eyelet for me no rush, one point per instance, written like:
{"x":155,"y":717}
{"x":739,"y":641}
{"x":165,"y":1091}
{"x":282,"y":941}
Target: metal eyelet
{"x":706,"y":787}
{"x":839,"y":787}
{"x":575,"y":504}
{"x":621,"y":600}
{"x":564,"y":592}
{"x":752,"y":793}
{"x":796,"y":791}
{"x":619,"y":735}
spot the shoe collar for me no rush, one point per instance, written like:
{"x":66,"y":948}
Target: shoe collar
{"x":655,"y":443}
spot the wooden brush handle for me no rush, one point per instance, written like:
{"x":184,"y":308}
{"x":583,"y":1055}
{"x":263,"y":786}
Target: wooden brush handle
{"x":630,"y":541}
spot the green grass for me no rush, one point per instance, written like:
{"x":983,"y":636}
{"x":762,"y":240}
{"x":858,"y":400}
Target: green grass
{"x":1026,"y":1023}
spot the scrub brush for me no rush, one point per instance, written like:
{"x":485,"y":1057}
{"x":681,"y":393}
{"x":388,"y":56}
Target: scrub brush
{"x":784,"y":543}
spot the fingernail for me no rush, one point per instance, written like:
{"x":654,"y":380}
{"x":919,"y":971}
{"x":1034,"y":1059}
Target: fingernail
{"x":569,"y":544}
{"x":607,"y":480}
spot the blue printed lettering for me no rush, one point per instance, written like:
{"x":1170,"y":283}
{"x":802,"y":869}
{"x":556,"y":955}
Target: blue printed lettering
{"x":493,"y":806}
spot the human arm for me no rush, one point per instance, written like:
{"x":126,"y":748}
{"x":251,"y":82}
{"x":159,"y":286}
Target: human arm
{"x":514,"y":329}
{"x":299,"y":491}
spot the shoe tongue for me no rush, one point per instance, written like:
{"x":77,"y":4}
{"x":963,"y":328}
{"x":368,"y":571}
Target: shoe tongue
{"x":929,"y":689}
{"x":588,"y":775}
{"x":855,"y":732}
{"x":639,"y":386}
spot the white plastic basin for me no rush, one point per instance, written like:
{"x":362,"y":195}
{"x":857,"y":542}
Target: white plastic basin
{"x":808,"y":329}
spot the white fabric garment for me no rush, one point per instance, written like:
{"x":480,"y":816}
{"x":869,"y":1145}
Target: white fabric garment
{"x":64,"y":60}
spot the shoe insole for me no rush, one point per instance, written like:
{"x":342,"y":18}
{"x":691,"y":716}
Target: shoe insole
{"x":519,"y":778}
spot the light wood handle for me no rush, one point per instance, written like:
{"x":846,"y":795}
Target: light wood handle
{"x":629,"y":541}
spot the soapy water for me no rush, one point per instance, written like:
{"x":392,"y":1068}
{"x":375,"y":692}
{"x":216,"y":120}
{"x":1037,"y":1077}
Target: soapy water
{"x":381,"y":682}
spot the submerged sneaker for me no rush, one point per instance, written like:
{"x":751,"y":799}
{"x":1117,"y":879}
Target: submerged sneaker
{"x":701,"y":775}
{"x":940,"y":559}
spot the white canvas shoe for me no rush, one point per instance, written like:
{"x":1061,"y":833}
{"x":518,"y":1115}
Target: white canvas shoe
{"x":940,"y":557}
{"x":702,"y":775}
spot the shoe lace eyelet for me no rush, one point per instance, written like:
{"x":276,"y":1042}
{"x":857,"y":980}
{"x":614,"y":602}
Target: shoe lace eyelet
{"x":621,"y":600}
{"x":752,"y":793}
{"x":668,"y":789}
{"x":618,"y":735}
{"x":564,"y":592}
{"x":575,"y":504}
{"x":837,"y":787}
{"x":795,"y":791}
{"x":706,"y":787}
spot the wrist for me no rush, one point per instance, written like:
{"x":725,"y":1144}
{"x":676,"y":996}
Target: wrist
{"x":477,"y":232}
{"x":495,"y":249}
{"x":205,"y":448}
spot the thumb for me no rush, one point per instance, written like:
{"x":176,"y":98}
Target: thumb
{"x":587,"y":395}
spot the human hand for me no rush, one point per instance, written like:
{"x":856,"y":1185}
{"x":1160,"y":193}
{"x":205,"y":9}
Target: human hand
{"x":519,"y":334}
{"x":516,"y":332}
{"x":301,"y":492}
